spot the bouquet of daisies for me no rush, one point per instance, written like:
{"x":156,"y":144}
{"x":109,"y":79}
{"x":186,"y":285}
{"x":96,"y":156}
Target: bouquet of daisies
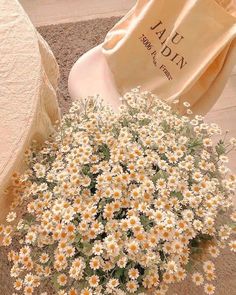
{"x":121,"y":203}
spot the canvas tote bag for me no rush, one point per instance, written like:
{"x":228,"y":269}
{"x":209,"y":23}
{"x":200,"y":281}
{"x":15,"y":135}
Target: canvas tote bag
{"x":182,"y":49}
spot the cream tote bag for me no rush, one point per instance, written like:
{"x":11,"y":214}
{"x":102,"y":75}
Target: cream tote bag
{"x":182,"y":49}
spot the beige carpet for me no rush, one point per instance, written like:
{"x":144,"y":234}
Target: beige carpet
{"x":69,"y":42}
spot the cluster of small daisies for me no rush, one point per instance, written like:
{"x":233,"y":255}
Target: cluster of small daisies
{"x":119,"y":203}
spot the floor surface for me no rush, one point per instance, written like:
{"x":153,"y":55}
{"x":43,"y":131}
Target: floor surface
{"x":47,"y":12}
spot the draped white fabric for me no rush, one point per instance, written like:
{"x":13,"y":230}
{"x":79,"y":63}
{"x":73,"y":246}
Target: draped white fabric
{"x":28,"y":79}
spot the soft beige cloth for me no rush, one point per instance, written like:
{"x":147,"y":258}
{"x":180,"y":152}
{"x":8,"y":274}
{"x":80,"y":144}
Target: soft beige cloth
{"x":28,"y":103}
{"x":177,"y":49}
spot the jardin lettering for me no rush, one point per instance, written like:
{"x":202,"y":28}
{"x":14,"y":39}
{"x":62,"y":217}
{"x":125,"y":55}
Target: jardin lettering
{"x":168,"y":51}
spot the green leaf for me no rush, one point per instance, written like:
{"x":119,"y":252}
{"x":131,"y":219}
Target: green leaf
{"x":28,"y":217}
{"x":55,"y":283}
{"x":144,"y":220}
{"x":178,"y":195}
{"x":189,"y":266}
{"x":220,"y":148}
{"x":105,"y":151}
{"x":196,"y":250}
{"x":155,"y":178}
{"x":144,"y":122}
{"x":85,"y":169}
{"x":195,"y":143}
{"x":165,"y":126}
{"x":205,"y":237}
{"x":119,"y":273}
{"x":232,"y":224}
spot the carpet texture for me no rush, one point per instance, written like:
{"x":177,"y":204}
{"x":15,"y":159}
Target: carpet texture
{"x":68,"y":42}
